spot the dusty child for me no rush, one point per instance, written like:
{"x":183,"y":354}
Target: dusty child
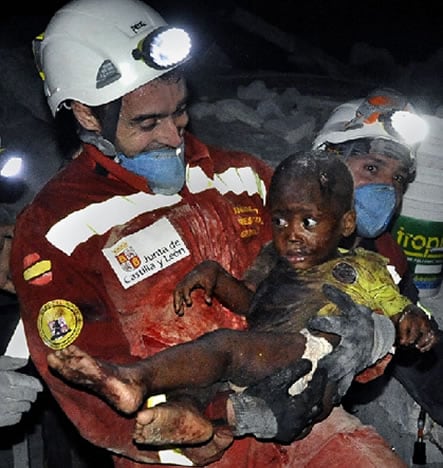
{"x":311,"y":204}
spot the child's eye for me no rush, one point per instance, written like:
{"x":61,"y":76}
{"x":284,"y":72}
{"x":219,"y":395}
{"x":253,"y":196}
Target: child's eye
{"x":279,"y":222}
{"x":309,"y":223}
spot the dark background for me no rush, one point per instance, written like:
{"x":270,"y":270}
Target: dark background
{"x":410,"y":31}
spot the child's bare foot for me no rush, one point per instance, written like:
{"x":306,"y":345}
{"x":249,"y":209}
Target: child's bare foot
{"x":172,"y":424}
{"x":118,"y":385}
{"x":213,"y":449}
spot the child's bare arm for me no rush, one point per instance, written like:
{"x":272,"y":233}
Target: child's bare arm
{"x":414,"y":328}
{"x":216,"y":282}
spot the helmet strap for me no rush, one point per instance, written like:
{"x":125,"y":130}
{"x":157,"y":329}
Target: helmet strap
{"x":101,"y":143}
{"x":108,"y":115}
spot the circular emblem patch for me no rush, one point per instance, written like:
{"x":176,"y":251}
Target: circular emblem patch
{"x":59,"y":323}
{"x":344,"y":273}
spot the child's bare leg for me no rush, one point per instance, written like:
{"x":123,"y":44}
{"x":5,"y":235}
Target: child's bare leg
{"x":172,"y":423}
{"x":241,"y":357}
{"x":119,"y":385}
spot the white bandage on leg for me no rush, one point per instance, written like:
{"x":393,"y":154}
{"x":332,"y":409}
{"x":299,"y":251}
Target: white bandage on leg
{"x":316,"y":348}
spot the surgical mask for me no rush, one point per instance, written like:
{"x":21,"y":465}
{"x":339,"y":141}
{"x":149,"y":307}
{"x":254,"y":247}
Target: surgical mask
{"x":375,"y":206}
{"x":164,"y":168}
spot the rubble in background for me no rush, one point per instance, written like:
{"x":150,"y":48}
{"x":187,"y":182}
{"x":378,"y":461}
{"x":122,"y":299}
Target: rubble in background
{"x":272,"y":114}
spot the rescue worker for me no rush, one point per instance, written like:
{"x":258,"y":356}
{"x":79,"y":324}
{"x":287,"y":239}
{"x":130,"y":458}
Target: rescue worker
{"x":17,"y":389}
{"x":27,"y":160}
{"x":141,"y":205}
{"x":379,"y":136}
{"x":29,"y":157}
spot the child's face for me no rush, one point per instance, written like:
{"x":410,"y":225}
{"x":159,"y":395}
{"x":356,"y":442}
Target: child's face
{"x":306,"y":227}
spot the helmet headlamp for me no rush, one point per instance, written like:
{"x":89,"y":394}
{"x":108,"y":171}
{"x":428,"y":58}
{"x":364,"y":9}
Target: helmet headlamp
{"x":11,"y":167}
{"x":12,"y":184}
{"x":164,"y":48}
{"x":411,"y":127}
{"x":393,"y":112}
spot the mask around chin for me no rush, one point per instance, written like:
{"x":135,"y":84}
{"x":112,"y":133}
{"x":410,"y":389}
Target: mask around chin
{"x":164,"y":169}
{"x":375,"y":206}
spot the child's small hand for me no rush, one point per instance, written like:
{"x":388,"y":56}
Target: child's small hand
{"x":414,"y":328}
{"x":203,"y":276}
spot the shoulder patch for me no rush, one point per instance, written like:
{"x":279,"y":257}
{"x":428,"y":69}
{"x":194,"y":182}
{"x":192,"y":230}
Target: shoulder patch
{"x":59,"y":323}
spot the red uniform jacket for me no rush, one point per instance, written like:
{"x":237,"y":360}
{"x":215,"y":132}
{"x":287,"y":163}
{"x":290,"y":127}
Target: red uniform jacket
{"x":96,"y":257}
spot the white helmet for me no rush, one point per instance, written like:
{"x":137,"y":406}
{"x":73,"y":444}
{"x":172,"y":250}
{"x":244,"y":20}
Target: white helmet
{"x":384,"y":114}
{"x":95,"y":51}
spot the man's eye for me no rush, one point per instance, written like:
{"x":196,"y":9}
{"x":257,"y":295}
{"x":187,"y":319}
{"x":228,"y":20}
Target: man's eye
{"x":371,"y":168}
{"x":309,"y":223}
{"x":400,"y":179}
{"x":279,"y":222}
{"x":180,"y":111}
{"x":145,"y":127}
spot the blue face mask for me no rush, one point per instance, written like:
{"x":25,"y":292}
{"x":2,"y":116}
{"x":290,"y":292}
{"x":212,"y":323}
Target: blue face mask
{"x":375,"y":205}
{"x":164,"y":169}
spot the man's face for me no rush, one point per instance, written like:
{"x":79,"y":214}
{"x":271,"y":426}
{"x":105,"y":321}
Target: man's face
{"x":151,"y":117}
{"x":379,"y":169}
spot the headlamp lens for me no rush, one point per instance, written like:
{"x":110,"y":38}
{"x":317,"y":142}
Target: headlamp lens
{"x":12,"y":167}
{"x":411,"y":127}
{"x":164,"y":48}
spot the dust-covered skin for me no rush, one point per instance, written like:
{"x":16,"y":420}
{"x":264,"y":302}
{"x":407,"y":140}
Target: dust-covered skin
{"x":121,"y":389}
{"x":171,"y":423}
{"x":165,"y":424}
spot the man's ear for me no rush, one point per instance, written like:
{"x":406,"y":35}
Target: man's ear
{"x":85,"y":117}
{"x":349,"y":223}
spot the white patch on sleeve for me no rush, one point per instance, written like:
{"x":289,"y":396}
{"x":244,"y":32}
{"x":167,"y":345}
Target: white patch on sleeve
{"x":316,"y":348}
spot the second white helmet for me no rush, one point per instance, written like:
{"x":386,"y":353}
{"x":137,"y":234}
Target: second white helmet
{"x":383,"y":114}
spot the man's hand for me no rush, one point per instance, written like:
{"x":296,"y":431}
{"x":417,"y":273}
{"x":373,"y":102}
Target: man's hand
{"x":17,"y":391}
{"x":414,"y":328}
{"x":6,"y":232}
{"x":365,"y":338}
{"x":267,"y":410}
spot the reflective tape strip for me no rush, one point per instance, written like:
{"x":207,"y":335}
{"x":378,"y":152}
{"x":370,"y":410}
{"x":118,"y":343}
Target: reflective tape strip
{"x":36,"y":270}
{"x":236,"y":180}
{"x":394,"y":273}
{"x":174,"y":457}
{"x":425,"y":309}
{"x":98,"y":218}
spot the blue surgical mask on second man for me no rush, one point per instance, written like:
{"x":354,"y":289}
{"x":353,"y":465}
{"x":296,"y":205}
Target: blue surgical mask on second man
{"x":375,"y":205}
{"x":164,"y":168}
